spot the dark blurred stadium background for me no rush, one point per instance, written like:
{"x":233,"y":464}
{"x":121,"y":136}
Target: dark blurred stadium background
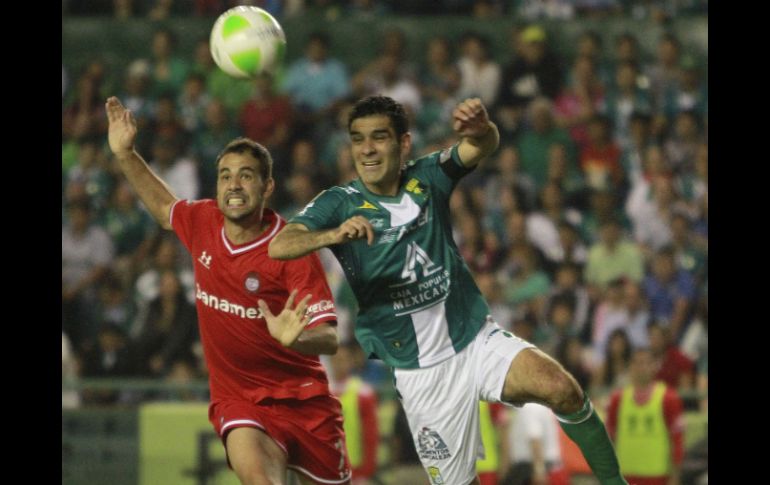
{"x":603,"y":110}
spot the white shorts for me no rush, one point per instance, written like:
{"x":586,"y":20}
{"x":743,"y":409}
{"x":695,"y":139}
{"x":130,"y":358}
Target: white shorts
{"x":442,"y":403}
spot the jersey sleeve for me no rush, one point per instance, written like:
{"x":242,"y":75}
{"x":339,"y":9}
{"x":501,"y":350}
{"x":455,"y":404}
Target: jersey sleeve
{"x":444,"y":169}
{"x":181,"y":218}
{"x":306,"y":274}
{"x":323,"y":212}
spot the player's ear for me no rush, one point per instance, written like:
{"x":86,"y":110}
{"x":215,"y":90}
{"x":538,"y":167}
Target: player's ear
{"x":269,"y":188}
{"x":406,"y":145}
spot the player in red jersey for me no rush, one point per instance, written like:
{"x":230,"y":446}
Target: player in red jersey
{"x":270,"y":398}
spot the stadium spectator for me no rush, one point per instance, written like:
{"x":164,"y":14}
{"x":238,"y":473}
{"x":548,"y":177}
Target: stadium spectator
{"x":627,"y":95}
{"x":168,"y":331}
{"x":86,"y":252}
{"x":535,"y":71}
{"x":567,"y":284}
{"x":534,"y":442}
{"x":267,"y":117}
{"x":168,"y":69}
{"x":600,"y":156}
{"x":611,"y":369}
{"x":671,"y":291}
{"x":612,"y":256}
{"x":672,"y":366}
{"x":580,"y":99}
{"x":192,"y":103}
{"x":645,"y":421}
{"x":316,"y":81}
{"x":480,"y":74}
{"x":534,"y":144}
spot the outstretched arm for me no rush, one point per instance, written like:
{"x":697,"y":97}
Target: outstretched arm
{"x":479,"y":136}
{"x":296,"y":240}
{"x":153,"y":192}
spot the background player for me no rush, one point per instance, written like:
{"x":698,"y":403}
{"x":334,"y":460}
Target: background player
{"x":270,"y":398}
{"x":421,"y":312}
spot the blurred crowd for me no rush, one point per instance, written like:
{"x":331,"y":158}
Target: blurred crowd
{"x":587,"y":230}
{"x":658,"y":10}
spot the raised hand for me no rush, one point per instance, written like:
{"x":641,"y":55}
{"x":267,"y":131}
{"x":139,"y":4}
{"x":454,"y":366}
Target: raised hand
{"x":289,"y":324}
{"x":470,"y":119}
{"x":122,"y":127}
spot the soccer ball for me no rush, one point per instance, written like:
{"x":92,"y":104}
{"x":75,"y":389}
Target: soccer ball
{"x":247,"y":41}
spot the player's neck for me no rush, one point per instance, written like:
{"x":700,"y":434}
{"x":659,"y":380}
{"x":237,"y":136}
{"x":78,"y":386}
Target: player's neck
{"x":244,"y":232}
{"x":385,"y":189}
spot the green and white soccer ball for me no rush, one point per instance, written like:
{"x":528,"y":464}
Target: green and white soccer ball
{"x":247,"y":41}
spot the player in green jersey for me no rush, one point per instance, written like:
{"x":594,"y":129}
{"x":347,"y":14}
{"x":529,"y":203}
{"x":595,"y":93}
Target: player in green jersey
{"x":420,"y":310}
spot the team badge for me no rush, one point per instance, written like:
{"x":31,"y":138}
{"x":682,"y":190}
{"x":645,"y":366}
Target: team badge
{"x":251,"y":283}
{"x":431,"y":446}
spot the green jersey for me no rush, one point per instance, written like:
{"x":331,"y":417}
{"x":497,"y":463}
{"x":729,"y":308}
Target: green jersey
{"x":418,"y":303}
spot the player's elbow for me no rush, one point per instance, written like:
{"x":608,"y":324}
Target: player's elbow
{"x":329,"y":340}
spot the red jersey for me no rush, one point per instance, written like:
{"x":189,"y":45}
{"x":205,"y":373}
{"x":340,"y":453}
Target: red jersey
{"x":245,"y":362}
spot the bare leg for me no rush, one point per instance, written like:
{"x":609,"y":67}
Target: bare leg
{"x":255,"y":457}
{"x":536,"y":377}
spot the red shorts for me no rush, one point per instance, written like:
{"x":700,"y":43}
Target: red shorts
{"x":308,"y":431}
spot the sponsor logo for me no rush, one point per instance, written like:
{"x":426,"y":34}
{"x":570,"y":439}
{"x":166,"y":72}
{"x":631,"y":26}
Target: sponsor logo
{"x":320,"y":306}
{"x":205,"y":260}
{"x":221,"y":304}
{"x":431,"y":446}
{"x":415,"y":255}
{"x":251,"y":283}
{"x":435,"y":475}
{"x":367,"y":205}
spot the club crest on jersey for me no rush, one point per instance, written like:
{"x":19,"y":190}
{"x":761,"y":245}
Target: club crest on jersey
{"x":414,"y":187}
{"x":251,"y":283}
{"x":431,"y":446}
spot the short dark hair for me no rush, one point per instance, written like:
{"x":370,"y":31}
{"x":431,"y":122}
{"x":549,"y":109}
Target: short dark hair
{"x":381,"y":105}
{"x":259,"y":152}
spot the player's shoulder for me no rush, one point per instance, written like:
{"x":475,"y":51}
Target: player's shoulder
{"x":200,"y":205}
{"x":438,"y":156}
{"x":202,"y":209}
{"x":340,"y":194}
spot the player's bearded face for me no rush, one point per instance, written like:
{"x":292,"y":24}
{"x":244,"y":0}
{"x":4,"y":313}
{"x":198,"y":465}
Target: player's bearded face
{"x":377,"y":153}
{"x":241,"y":192}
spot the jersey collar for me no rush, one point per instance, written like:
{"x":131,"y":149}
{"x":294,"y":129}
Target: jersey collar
{"x":272,"y":230}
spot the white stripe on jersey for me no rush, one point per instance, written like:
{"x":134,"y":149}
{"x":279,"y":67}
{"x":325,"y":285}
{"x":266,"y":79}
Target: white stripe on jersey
{"x":432,"y":331}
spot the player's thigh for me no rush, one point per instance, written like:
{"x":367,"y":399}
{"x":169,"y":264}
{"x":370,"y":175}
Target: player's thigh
{"x":494,"y":351}
{"x":255,"y":457}
{"x":441,"y":406}
{"x":534,"y":376}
